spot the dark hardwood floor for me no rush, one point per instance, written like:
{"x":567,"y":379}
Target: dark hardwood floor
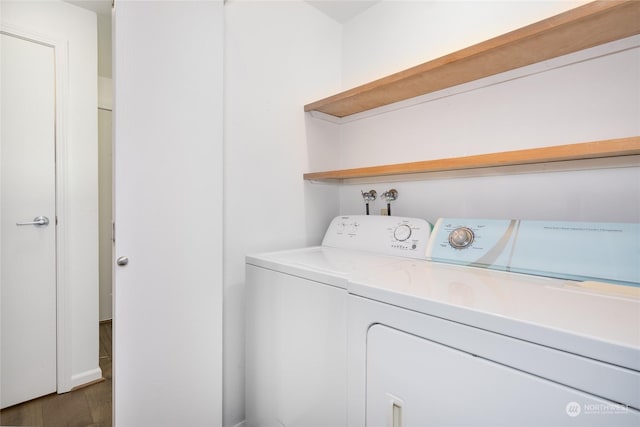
{"x":85,"y":407}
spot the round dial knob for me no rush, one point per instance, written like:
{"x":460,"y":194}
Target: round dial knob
{"x":402,"y":232}
{"x":461,"y":237}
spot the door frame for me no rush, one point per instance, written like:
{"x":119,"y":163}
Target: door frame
{"x":63,"y":309}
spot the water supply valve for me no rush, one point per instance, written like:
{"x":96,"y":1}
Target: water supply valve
{"x":368,"y":196}
{"x":390,"y":196}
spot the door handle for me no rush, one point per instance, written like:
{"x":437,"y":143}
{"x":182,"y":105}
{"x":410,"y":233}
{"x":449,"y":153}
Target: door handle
{"x":123,"y":260}
{"x":39,"y":220}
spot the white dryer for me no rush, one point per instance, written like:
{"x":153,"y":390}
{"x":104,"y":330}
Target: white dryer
{"x":435,"y":344}
{"x":296,"y":332}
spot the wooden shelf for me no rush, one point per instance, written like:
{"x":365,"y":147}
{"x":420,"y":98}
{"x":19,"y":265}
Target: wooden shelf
{"x":559,"y":153}
{"x":590,"y":25}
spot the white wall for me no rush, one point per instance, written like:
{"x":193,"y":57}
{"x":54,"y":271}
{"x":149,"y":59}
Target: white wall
{"x":587,"y":96}
{"x":105,"y":164}
{"x":75,"y":29}
{"x":394,"y":35}
{"x":104,"y":45}
{"x":586,"y":100}
{"x":279,"y":55}
{"x":105,"y":183}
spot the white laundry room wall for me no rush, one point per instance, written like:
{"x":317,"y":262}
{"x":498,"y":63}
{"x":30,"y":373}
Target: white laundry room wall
{"x":105,"y":195}
{"x":584,"y":97}
{"x":279,"y":55}
{"x":395,"y":35}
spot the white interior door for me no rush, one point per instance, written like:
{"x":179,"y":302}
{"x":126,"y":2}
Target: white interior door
{"x":167,"y":306}
{"x":28,"y":269}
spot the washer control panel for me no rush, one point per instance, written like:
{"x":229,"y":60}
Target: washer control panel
{"x":389,"y":235}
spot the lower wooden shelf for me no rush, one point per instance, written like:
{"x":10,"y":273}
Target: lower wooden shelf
{"x":559,"y":153}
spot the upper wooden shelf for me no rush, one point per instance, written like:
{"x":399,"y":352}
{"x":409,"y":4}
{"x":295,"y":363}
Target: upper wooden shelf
{"x":558,"y":153}
{"x":587,"y":26}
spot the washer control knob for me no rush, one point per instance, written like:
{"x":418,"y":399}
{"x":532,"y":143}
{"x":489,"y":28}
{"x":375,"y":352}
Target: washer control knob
{"x":461,"y":237}
{"x":402,"y":232}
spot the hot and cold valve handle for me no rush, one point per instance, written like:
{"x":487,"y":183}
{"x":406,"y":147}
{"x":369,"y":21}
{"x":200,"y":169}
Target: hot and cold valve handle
{"x":368,"y":196}
{"x":390,"y":196}
{"x":371,"y":195}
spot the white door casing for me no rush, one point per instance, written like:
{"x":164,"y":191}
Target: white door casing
{"x":28,"y":349}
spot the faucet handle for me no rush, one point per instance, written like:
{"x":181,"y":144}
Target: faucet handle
{"x":390,"y":195}
{"x":369,"y":196}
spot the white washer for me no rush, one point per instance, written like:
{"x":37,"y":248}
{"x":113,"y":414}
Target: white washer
{"x":296,"y":332}
{"x":433,"y":344}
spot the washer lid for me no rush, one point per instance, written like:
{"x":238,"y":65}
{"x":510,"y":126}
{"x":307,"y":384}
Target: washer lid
{"x":328,"y":265}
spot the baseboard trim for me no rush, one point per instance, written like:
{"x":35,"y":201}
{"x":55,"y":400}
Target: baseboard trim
{"x":99,"y":380}
{"x":85,"y":378}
